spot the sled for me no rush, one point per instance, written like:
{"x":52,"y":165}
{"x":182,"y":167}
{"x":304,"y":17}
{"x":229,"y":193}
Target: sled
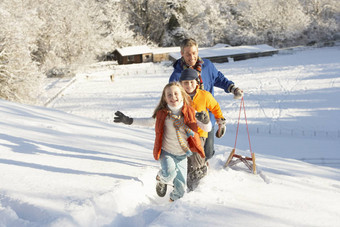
{"x":248,"y":161}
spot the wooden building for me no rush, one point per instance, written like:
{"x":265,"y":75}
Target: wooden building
{"x":134,"y":54}
{"x":163,"y":53}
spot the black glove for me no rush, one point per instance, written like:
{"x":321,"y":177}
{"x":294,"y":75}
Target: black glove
{"x":203,"y":117}
{"x":121,"y":118}
{"x":221,"y":127}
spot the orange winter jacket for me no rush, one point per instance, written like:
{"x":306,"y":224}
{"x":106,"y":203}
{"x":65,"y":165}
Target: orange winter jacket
{"x":204,"y":100}
{"x":189,"y":119}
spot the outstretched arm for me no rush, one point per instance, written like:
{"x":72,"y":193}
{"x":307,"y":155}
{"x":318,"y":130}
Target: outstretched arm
{"x":122,"y":118}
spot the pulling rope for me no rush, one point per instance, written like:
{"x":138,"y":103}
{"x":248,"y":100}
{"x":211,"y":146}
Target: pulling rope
{"x":238,"y":124}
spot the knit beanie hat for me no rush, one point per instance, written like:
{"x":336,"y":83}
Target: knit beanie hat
{"x":188,"y":74}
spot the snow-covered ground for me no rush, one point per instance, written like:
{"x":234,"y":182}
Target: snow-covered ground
{"x":70,"y":165}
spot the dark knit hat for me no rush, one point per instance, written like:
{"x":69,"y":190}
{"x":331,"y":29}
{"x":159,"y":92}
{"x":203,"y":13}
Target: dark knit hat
{"x":188,"y":74}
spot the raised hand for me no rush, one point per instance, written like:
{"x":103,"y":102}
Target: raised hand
{"x":121,"y":118}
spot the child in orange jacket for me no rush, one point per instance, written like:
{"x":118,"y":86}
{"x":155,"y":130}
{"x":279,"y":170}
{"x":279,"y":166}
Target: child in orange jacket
{"x":201,"y":101}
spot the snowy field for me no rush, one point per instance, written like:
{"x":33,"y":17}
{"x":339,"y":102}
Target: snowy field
{"x":68,"y":164}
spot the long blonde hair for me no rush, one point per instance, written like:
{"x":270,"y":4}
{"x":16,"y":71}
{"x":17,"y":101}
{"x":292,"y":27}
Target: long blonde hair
{"x":162,"y":102}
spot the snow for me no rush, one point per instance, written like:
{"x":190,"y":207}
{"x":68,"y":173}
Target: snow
{"x":162,"y":50}
{"x":133,"y":50}
{"x":68,"y":164}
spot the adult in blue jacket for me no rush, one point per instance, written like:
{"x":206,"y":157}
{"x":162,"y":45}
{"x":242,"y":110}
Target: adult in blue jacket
{"x":209,"y":77}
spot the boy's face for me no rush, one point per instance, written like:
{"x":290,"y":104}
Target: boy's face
{"x":173,"y":96}
{"x":189,"y":86}
{"x":190,"y":55}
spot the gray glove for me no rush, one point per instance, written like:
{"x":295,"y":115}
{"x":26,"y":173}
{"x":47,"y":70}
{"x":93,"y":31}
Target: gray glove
{"x":121,"y":118}
{"x":238,"y":93}
{"x":203,"y":117}
{"x":221,"y":127}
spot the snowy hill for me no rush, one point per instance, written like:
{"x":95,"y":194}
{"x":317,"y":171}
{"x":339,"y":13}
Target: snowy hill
{"x":63,"y":170}
{"x":71,"y":166}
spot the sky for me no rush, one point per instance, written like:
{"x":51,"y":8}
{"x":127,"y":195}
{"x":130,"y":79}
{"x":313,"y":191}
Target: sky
{"x":65,"y":163}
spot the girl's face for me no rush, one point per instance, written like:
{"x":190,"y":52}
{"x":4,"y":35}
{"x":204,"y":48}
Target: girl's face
{"x":189,"y":86}
{"x":173,"y":96}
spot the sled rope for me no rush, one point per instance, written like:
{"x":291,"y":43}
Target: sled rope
{"x":238,"y":124}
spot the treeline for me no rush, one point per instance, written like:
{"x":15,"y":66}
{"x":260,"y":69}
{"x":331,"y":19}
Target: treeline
{"x":40,"y":38}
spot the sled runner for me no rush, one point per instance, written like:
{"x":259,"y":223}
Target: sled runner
{"x":248,"y":161}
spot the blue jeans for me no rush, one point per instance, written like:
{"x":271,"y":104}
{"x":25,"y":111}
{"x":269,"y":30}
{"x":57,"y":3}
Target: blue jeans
{"x":209,"y":145}
{"x":174,"y":170}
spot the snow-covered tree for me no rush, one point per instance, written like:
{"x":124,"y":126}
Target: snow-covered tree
{"x":19,"y":77}
{"x":324,"y":18}
{"x":67,"y":36}
{"x":276,"y":22}
{"x":148,"y":17}
{"x":209,"y":21}
{"x":114,"y":27}
{"x":267,"y":21}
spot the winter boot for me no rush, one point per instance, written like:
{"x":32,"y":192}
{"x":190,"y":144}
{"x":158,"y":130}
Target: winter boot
{"x":160,"y":187}
{"x":195,"y":176}
{"x":195,"y":163}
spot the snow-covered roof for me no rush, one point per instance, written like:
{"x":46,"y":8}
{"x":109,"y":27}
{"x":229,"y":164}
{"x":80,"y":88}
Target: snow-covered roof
{"x":228,"y":51}
{"x":162,"y":50}
{"x":133,"y":50}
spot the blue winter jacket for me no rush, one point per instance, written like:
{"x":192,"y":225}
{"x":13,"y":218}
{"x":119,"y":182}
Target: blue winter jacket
{"x":210,"y":75}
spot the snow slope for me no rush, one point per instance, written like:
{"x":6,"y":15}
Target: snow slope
{"x":69,"y":165}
